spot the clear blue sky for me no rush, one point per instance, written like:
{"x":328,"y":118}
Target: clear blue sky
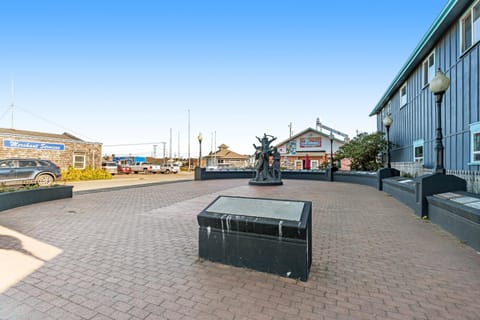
{"x":126,"y":72}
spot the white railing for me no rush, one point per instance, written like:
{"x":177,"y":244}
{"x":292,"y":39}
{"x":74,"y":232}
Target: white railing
{"x":415,"y":169}
{"x":472,"y":178}
{"x":410,"y":169}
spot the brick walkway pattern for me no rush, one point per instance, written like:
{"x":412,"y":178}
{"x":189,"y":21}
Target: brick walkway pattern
{"x":133,"y":254}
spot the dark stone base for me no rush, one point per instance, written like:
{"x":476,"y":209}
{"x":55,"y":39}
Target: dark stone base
{"x":284,"y":257}
{"x":245,"y":234}
{"x":266,"y":183}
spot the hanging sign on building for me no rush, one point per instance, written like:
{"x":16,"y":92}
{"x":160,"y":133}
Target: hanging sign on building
{"x":16,"y":144}
{"x":310,"y":143}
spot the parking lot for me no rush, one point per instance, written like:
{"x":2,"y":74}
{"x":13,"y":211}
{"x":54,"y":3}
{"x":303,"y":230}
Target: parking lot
{"x":132,"y":253}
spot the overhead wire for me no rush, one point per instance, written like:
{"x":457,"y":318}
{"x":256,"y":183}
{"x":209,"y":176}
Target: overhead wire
{"x":52,"y":122}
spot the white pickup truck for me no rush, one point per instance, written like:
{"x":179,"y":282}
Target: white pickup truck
{"x":145,"y":167}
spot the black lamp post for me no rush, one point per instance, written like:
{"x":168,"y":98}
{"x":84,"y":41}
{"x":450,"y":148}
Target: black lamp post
{"x":331,"y":136}
{"x":200,"y":138}
{"x":387,"y":122}
{"x":438,"y":86}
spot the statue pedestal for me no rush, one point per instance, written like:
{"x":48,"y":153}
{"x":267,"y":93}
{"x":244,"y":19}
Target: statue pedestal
{"x":265,"y":183}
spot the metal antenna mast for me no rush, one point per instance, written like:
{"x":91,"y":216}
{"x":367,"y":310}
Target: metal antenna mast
{"x":12,"y":105}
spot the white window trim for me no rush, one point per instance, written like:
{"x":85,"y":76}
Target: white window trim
{"x":430,"y":70}
{"x":298,"y":164}
{"x":403,"y":103}
{"x":314,"y":164}
{"x":474,"y":128}
{"x":84,"y":160}
{"x":416,"y":144}
{"x":475,"y":37}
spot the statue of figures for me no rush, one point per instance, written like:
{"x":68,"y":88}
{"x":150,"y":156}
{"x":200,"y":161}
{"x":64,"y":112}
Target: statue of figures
{"x":264,"y":173}
{"x":277,"y":174}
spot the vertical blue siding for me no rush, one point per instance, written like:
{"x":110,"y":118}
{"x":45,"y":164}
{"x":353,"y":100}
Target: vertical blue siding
{"x":461,"y":107}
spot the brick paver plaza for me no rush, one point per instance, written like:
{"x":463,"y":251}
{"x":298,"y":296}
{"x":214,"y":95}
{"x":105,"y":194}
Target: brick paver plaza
{"x":133,"y":254}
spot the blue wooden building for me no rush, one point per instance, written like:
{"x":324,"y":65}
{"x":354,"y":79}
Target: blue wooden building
{"x":452,"y":43}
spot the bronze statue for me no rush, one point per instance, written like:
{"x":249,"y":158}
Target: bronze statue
{"x":264,"y":173}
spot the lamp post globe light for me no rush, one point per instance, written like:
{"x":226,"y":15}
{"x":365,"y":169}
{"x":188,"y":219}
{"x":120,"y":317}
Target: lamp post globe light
{"x":438,"y":86}
{"x":438,"y":182}
{"x":200,"y":138}
{"x":331,"y":137}
{"x":387,"y":122}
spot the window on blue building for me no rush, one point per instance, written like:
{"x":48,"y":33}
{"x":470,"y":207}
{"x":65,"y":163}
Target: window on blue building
{"x":475,"y":143}
{"x":470,"y":27}
{"x":403,"y":95}
{"x":476,"y":147}
{"x":418,"y":151}
{"x":428,"y":69}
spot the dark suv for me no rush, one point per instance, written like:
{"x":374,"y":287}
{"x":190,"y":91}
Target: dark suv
{"x":28,"y":171}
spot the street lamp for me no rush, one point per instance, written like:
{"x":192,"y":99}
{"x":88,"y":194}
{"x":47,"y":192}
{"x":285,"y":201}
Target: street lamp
{"x":331,"y":136}
{"x":387,"y":122}
{"x":438,"y":86}
{"x":200,"y":138}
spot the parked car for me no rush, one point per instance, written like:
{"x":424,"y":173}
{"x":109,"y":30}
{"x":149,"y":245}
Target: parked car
{"x":18,"y":171}
{"x":124,"y":169}
{"x":145,"y":167}
{"x":169,"y":168}
{"x":110,"y":167}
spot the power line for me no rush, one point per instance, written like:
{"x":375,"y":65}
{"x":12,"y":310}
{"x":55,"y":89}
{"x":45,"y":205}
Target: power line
{"x":132,"y":144}
{"x":52,"y":122}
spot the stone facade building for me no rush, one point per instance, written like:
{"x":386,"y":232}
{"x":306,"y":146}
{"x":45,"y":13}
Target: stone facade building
{"x":63,"y":149}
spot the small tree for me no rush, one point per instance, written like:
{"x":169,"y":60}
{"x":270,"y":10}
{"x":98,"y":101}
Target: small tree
{"x":363,"y":150}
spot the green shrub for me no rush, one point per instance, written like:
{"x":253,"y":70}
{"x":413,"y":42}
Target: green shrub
{"x":85,"y":174}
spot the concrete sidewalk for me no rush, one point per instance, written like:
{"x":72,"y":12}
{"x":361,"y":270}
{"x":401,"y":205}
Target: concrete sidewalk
{"x":132,"y":254}
{"x":122,"y":181}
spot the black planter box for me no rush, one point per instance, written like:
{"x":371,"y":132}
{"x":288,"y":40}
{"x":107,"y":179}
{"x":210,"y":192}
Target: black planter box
{"x":20,"y":198}
{"x":268,"y":235}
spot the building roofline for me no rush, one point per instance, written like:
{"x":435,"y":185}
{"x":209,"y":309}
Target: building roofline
{"x":450,"y":12}
{"x":65,"y":137}
{"x":303,"y":132}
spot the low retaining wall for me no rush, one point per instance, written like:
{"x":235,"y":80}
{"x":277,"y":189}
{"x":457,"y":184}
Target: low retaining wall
{"x":402,"y":189}
{"x":358,"y":177}
{"x":203,"y":174}
{"x":9,"y":200}
{"x":459,"y":214}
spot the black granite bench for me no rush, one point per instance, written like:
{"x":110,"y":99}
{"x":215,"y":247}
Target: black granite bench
{"x":268,"y":235}
{"x":458,"y":213}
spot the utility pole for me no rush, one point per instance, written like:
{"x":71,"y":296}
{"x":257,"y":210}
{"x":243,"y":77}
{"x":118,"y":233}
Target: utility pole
{"x":215,"y":150}
{"x":189,"y":140}
{"x":290,"y":129}
{"x":170,"y":146}
{"x":164,"y":143}
{"x":12,"y":105}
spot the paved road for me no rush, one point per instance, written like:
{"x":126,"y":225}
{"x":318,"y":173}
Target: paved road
{"x":132,"y":254}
